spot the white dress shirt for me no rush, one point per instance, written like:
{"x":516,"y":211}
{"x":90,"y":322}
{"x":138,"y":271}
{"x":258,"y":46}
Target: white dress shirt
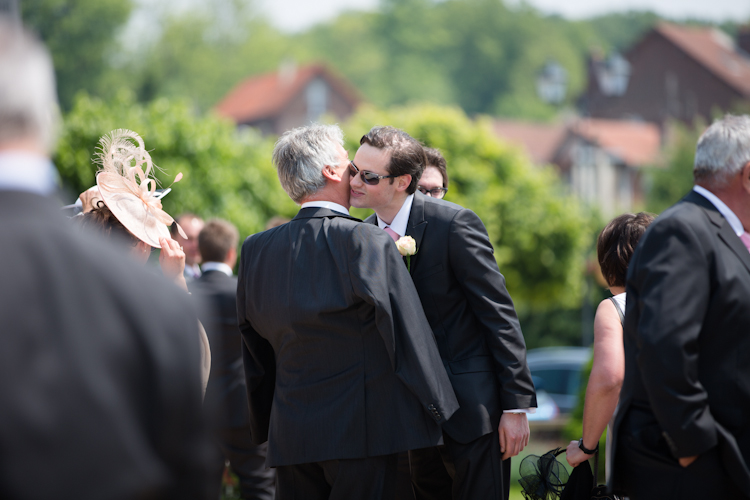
{"x":401,"y":221}
{"x":326,"y":204}
{"x":723,"y":209}
{"x":24,"y":171}
{"x":216,"y":266}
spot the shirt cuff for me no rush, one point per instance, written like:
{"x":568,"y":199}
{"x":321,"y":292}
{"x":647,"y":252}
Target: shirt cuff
{"x":521,"y":410}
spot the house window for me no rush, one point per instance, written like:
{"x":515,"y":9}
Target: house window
{"x":317,"y":99}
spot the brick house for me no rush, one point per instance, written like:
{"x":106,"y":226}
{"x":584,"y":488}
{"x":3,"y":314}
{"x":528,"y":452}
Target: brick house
{"x":601,"y":161}
{"x":676,"y":72}
{"x":290,"y":97}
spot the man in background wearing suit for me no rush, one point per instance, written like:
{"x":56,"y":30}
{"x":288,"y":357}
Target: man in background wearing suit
{"x":682,"y":427}
{"x":100,"y":384}
{"x":226,"y":394}
{"x":471,"y":315}
{"x":342,"y":370}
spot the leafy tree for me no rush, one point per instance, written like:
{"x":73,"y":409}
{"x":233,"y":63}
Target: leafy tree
{"x":537,"y":230}
{"x":80,"y":35}
{"x":227,"y":173}
{"x":669,"y":185}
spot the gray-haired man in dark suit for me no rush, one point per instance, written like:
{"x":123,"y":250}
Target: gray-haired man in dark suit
{"x":342,"y":370}
{"x":682,"y":425}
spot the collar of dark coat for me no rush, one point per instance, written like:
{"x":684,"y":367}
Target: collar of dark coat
{"x":320,"y":212}
{"x":724,"y":230}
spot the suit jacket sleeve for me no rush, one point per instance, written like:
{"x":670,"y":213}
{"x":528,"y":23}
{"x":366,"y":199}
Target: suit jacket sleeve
{"x":473,"y":262}
{"x":670,"y":287}
{"x":260,"y":364}
{"x":379,"y":276}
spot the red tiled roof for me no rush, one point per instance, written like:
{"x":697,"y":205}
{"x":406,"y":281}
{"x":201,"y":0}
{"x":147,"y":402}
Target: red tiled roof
{"x":539,"y":140}
{"x":636,"y":143}
{"x":713,"y":49}
{"x":266,"y":95}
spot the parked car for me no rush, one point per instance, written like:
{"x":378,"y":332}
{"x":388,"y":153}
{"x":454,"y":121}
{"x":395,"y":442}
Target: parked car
{"x":559,"y":369}
{"x":546,"y":409}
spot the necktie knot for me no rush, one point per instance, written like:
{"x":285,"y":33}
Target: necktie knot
{"x":393,"y":234}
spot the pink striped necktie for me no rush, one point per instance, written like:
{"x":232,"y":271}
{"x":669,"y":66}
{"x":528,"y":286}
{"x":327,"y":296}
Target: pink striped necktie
{"x":745,"y":237}
{"x":393,"y":234}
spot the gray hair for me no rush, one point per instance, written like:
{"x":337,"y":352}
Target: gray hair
{"x":300,"y":155}
{"x":722,"y":151}
{"x":28,"y":101}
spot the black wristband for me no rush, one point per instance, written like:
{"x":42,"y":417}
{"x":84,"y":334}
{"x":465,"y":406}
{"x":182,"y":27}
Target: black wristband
{"x":586,"y":450}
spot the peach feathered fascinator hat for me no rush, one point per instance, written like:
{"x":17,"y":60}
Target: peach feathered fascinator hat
{"x":128,"y":188}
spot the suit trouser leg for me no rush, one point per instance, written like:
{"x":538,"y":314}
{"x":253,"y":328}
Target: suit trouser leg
{"x":475,"y":470}
{"x":249,"y":463}
{"x":372,"y":478}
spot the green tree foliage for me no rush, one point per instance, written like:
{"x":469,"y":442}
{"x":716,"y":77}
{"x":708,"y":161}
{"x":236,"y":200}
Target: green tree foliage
{"x":537,"y":230}
{"x":670,"y":184}
{"x":80,"y":34}
{"x":227,"y":173}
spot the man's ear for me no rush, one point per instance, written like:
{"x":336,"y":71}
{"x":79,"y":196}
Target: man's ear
{"x":402,"y":182}
{"x":330,"y":173}
{"x":746,"y":177}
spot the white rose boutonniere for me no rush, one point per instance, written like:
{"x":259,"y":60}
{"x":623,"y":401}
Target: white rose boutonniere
{"x":407,"y":247}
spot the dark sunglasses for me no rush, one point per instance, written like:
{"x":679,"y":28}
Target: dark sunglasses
{"x":434,"y":192}
{"x":370,"y":178}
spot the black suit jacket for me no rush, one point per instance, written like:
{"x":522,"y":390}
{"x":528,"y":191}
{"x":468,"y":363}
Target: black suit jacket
{"x":687,"y":337}
{"x":100,"y":384}
{"x":226,"y":391}
{"x":471,"y":314}
{"x":339,"y":358}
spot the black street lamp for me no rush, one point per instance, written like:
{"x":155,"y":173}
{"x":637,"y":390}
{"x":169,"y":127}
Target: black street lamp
{"x":552,"y":82}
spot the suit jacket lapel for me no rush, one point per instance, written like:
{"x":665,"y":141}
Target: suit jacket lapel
{"x":724,"y":231}
{"x":416,"y":226}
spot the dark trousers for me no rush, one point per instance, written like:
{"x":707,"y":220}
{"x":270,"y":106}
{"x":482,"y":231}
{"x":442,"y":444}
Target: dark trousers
{"x":248,"y":462}
{"x":649,"y":471}
{"x":372,"y":478}
{"x":461,"y":471}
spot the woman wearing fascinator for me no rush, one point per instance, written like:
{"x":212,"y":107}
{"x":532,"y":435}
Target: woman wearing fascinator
{"x":125,"y":205}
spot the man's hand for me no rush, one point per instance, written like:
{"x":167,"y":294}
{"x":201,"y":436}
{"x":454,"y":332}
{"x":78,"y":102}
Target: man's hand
{"x":514,"y":434}
{"x":685,"y":461}
{"x":172,"y":261}
{"x":575,"y":455}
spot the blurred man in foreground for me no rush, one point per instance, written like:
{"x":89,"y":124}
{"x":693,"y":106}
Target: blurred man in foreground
{"x":682,"y":426}
{"x":100,"y":384}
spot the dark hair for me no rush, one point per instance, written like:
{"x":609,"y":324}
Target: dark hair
{"x":101,"y":219}
{"x":407,"y":154}
{"x":435,"y":159}
{"x":216,"y":239}
{"x":616,"y":244}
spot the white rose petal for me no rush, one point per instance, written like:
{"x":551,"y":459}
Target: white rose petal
{"x":406,"y":246}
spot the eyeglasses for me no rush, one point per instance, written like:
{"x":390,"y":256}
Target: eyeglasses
{"x":368,"y":177}
{"x":434,"y":192}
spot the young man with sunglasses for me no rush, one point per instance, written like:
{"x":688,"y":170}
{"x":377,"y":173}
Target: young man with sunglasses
{"x":472,"y":318}
{"x":341,"y":368}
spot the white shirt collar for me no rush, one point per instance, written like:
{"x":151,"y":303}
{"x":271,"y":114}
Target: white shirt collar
{"x":23,"y":171}
{"x":216,"y":266}
{"x":401,"y":221}
{"x":326,"y":204}
{"x":723,"y":209}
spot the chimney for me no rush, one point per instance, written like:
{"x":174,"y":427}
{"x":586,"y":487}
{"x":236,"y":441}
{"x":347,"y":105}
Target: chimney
{"x":743,"y":39}
{"x":287,"y":72}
